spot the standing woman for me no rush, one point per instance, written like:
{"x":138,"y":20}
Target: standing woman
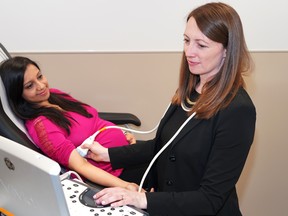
{"x":197,"y":173}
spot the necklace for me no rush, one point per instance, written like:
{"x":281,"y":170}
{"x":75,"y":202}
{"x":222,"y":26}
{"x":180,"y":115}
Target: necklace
{"x":190,"y":102}
{"x":184,"y":107}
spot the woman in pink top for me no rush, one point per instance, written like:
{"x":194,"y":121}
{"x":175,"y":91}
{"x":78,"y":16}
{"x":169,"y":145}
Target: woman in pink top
{"x":58,"y":143}
{"x":58,"y":123}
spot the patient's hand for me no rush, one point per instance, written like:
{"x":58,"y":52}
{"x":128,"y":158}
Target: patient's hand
{"x":97,"y":152}
{"x":132,"y":186}
{"x":130,"y":138}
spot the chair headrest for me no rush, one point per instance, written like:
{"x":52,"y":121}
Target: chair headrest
{"x":4,"y":55}
{"x":18,"y":122}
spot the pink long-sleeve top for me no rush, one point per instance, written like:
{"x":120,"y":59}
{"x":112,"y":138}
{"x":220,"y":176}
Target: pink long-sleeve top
{"x":57,"y":144}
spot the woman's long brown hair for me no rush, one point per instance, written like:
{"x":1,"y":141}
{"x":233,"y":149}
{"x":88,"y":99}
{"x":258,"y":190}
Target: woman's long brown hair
{"x":220,"y":23}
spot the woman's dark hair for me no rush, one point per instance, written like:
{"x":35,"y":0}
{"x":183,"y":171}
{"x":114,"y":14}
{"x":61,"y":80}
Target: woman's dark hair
{"x":12,"y":74}
{"x":220,"y":23}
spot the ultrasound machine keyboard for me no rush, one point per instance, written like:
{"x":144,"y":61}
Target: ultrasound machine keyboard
{"x":80,"y":202}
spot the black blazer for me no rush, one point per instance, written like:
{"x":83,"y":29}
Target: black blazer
{"x":197,"y":173}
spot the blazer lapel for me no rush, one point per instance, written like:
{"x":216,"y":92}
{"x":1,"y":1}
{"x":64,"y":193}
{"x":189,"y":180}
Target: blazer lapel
{"x":188,"y":127}
{"x":166,"y":116}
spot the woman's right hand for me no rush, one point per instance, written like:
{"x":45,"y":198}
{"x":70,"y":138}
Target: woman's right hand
{"x":97,"y":152}
{"x":117,"y":196}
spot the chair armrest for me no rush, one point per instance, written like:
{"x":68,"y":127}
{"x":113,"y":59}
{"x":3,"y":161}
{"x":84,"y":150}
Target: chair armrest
{"x":120,"y":118}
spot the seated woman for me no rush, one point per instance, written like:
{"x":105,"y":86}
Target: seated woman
{"x":58,"y":123}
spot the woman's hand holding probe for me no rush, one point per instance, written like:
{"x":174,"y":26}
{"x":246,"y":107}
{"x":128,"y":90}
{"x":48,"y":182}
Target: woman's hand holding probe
{"x":97,"y":152}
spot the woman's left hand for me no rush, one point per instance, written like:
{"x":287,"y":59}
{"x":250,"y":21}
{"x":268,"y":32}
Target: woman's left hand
{"x":130,"y":138}
{"x":117,"y":196}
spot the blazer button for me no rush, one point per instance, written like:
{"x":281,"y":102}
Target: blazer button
{"x":169,"y":182}
{"x":172,"y":158}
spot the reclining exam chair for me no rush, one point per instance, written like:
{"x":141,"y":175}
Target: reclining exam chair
{"x":13,"y":128}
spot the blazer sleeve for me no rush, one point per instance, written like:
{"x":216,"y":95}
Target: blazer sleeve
{"x":131,"y":155}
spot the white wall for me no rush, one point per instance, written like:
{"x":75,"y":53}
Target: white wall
{"x":127,"y":25}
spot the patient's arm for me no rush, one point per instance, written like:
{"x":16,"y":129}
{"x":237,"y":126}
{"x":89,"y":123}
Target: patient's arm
{"x":95,"y":174}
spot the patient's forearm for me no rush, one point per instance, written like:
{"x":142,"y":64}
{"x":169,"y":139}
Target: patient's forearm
{"x":94,"y":174}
